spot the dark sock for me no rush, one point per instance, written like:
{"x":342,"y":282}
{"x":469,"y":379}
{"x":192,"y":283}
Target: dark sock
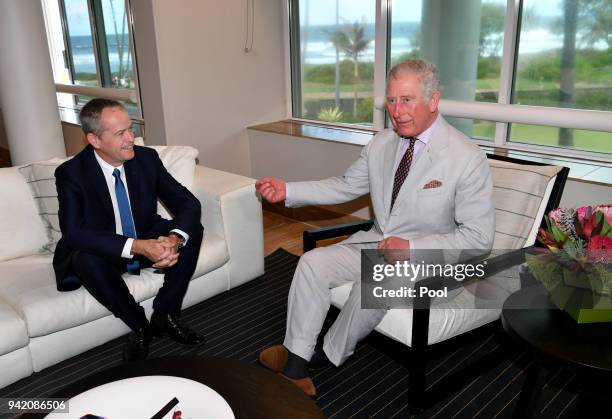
{"x":296,"y":367}
{"x":319,"y":358}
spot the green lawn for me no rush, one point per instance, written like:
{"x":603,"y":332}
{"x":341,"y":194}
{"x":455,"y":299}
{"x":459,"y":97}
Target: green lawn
{"x":549,"y":136}
{"x":327,"y":91}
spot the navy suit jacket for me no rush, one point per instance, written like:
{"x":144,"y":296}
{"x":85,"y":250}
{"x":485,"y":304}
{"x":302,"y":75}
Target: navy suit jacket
{"x":86,"y":212}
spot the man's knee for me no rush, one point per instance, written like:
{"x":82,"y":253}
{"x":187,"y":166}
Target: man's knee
{"x":196,"y":235}
{"x":313,"y":258}
{"x":83,"y":261}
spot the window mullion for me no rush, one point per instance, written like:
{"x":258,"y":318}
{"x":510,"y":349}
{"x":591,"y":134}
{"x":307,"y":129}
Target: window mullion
{"x":101,"y":51}
{"x":94,"y":40}
{"x":135,"y":75}
{"x":507,"y":66}
{"x":381,"y":46}
{"x":67,"y":45}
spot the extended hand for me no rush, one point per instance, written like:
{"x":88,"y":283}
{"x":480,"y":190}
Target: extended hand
{"x":394,"y":249}
{"x":271,"y":189}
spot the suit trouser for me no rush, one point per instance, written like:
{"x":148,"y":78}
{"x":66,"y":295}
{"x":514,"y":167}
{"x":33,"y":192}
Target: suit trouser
{"x":101,"y":276}
{"x":319,"y":271}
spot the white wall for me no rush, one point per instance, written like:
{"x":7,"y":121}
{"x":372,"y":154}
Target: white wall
{"x":298,"y":158}
{"x":211,"y":90}
{"x":309,"y":159}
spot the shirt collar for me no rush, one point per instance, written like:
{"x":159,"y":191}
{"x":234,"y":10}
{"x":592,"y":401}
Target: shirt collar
{"x":425,"y":136}
{"x":106,"y":168}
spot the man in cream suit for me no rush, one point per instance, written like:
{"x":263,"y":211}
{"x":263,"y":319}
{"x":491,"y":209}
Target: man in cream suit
{"x":430,"y":188}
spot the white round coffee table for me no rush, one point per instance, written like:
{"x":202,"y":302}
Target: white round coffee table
{"x":143,"y":397}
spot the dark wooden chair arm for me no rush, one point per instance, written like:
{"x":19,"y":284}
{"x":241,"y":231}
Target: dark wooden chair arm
{"x":312,"y":236}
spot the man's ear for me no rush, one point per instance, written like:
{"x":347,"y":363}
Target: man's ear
{"x":433,"y":102}
{"x":93,"y":140}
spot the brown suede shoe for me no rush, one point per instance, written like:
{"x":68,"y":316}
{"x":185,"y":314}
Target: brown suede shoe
{"x":305,"y":384}
{"x":274,"y":358}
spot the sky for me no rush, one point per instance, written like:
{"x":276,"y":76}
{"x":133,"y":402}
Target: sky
{"x":78,"y":15}
{"x":323,"y":12}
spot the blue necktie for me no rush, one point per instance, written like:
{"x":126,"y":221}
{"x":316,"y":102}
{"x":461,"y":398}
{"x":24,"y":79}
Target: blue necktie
{"x":127,"y":225}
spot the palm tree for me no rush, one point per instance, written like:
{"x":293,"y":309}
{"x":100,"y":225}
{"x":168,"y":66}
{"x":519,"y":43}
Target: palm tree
{"x":352,"y":43}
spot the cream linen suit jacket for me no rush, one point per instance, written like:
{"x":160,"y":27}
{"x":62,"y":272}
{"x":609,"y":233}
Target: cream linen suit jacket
{"x":459,"y":214}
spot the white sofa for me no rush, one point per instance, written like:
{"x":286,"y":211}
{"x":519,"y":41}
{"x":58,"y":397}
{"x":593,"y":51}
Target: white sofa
{"x":40,"y":326}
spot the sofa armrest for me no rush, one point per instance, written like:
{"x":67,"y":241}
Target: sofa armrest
{"x":231,"y":209}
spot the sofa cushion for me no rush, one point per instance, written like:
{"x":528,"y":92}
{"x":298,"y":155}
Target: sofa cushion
{"x":213,"y":254}
{"x":14,"y":332}
{"x":41,"y":178}
{"x":179,"y":161}
{"x":29,"y":285}
{"x":22,"y":231}
{"x":520,"y":193}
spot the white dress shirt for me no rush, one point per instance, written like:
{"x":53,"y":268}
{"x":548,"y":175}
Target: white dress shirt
{"x":108,"y":169}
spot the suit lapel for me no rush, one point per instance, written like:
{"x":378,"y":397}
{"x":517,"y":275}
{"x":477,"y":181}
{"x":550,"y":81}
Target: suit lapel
{"x":425,"y":160}
{"x":390,"y":155}
{"x":95,"y":177}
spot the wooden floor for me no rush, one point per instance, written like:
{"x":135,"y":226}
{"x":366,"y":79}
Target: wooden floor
{"x":285,"y":232}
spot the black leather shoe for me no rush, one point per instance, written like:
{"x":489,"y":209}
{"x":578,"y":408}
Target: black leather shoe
{"x":137,"y":345}
{"x":168,"y":324}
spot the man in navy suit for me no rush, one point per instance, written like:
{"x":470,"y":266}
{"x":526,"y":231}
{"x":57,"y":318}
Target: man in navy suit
{"x":108,"y":216}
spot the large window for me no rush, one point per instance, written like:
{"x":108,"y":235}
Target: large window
{"x":498,"y":54}
{"x":334,"y":67}
{"x":91,"y":46}
{"x":565,"y":60}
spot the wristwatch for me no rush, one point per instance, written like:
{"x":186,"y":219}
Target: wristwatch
{"x":181,"y":239}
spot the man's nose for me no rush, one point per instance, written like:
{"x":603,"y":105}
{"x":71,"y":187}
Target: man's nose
{"x":395,"y":109}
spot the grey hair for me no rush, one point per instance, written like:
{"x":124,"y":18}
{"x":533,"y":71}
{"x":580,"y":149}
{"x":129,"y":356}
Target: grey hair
{"x":426,"y":71}
{"x":91,"y":114}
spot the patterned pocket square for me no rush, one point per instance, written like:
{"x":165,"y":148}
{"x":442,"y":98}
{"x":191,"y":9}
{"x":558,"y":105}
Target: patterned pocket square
{"x":432,"y":184}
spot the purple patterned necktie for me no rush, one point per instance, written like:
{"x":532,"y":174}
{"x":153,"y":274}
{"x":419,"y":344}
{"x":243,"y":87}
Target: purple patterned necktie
{"x":402,"y":169}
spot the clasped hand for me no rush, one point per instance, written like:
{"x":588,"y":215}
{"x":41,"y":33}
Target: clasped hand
{"x":163,"y":251}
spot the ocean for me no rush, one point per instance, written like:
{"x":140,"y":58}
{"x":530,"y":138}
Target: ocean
{"x":83,"y":56}
{"x":318,"y":48}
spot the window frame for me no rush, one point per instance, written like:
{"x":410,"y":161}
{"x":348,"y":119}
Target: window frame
{"x":452,"y":108}
{"x":96,"y":22}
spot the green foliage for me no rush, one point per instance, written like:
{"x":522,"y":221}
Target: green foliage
{"x":365,"y":110}
{"x":542,"y":67}
{"x":86,"y":76}
{"x":596,"y":15}
{"x":492,"y":16}
{"x":326,"y":73}
{"x":489,"y":67}
{"x":330,"y":114}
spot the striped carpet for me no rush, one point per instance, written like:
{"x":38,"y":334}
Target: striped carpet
{"x":241,"y":322}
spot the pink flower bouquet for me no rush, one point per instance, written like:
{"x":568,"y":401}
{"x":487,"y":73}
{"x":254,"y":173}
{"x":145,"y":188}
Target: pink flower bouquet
{"x":583,"y":233}
{"x":577,"y":268}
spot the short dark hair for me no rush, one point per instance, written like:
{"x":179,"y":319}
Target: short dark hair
{"x":90,"y":115}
